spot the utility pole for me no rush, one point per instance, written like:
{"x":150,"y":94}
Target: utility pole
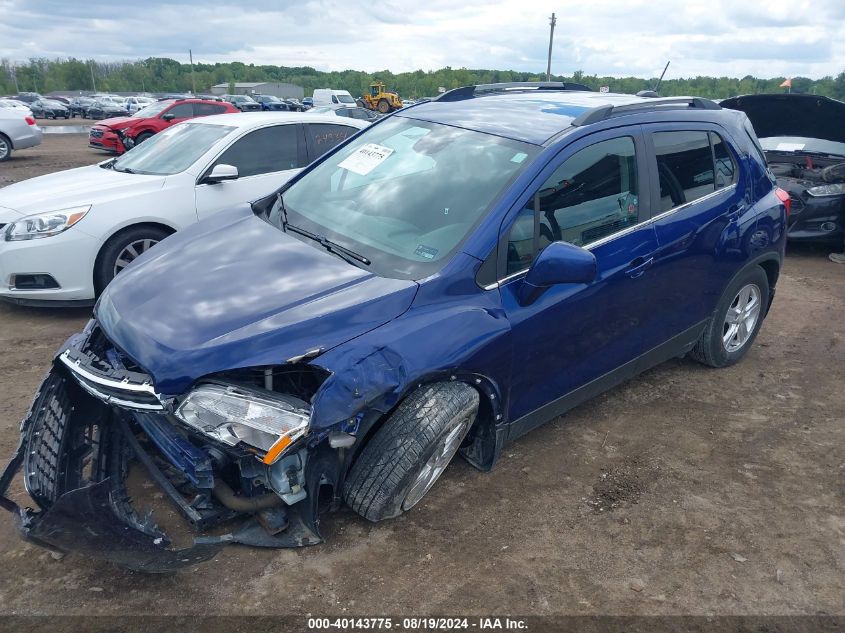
{"x":15,"y":78}
{"x":552,"y":22}
{"x":193,"y":82}
{"x":93,"y":81}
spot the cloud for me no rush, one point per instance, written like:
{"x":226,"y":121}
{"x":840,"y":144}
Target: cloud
{"x":604,"y":37}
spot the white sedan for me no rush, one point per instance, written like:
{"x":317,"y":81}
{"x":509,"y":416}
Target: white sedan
{"x":64,"y":236}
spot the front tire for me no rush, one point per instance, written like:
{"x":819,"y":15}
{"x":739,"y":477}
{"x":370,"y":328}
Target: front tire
{"x":383,"y":106}
{"x":407,"y":455}
{"x":122,"y":249}
{"x":144,"y":136}
{"x":735,"y":323}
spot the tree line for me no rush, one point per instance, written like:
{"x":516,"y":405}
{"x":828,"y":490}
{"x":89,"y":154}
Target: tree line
{"x":163,"y":75}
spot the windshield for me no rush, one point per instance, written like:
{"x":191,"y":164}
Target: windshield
{"x":173,"y":150}
{"x":152,"y":110}
{"x":406,"y":193}
{"x":344,"y":99}
{"x":243,"y":99}
{"x":802,"y":144}
{"x":51,"y":103}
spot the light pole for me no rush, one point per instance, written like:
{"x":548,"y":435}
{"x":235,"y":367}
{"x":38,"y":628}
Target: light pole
{"x":552,"y":22}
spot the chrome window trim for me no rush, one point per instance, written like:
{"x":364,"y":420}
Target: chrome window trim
{"x":623,"y":232}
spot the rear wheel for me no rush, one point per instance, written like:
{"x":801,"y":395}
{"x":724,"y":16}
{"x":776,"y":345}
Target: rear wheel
{"x":122,"y":249}
{"x":407,"y":455}
{"x":5,"y":148}
{"x":736,"y":322}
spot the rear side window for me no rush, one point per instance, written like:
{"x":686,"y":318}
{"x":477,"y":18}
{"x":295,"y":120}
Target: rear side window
{"x":207,"y":109}
{"x":324,"y":136}
{"x":263,"y":151}
{"x":591,"y":196}
{"x":691,"y":165}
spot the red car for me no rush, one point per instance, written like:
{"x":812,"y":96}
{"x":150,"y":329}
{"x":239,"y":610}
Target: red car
{"x":122,"y":133}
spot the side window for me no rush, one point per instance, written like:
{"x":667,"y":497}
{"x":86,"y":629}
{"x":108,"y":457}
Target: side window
{"x":263,"y":151}
{"x":181,"y":111}
{"x":684,"y":166}
{"x":324,"y":136}
{"x":334,"y":99}
{"x":592,"y":195}
{"x":206,"y":109}
{"x":725,"y":165}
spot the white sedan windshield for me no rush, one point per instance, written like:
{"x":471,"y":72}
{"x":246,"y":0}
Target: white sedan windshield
{"x":173,"y":150}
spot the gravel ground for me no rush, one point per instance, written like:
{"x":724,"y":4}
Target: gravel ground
{"x":685,"y":491}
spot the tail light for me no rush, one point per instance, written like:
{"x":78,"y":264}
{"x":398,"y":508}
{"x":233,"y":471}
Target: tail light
{"x":784,"y":197}
{"x":29,"y":120}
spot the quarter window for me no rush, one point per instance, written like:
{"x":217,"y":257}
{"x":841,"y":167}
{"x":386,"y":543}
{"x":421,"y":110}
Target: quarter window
{"x":725,"y":166}
{"x":592,"y":195}
{"x":263,"y":151}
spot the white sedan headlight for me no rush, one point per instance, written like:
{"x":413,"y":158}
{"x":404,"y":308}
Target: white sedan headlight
{"x":233,"y":415}
{"x":47,"y":224}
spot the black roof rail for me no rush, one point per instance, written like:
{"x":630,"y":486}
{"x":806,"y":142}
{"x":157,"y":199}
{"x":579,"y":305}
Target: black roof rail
{"x":467,"y":92}
{"x":665,"y":103}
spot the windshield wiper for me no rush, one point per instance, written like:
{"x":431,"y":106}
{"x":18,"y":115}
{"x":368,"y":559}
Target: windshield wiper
{"x":124,"y":170}
{"x":332,"y":247}
{"x":109,"y":164}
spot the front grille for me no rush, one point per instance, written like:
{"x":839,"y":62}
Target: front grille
{"x":95,"y":133}
{"x":49,"y":416}
{"x":109,"y":375}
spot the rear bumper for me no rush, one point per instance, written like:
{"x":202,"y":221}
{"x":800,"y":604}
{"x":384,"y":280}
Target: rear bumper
{"x":29,"y":137}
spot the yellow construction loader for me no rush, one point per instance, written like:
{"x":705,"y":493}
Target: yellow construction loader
{"x":381,"y":100}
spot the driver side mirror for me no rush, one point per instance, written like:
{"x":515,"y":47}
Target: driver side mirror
{"x":221,"y":173}
{"x":558,"y":263}
{"x":168,"y":116}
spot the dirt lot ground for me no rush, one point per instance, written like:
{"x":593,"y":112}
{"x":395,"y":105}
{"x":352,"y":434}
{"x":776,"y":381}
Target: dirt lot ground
{"x":685,"y":491}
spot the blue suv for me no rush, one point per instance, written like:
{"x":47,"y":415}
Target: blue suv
{"x":453,"y":276}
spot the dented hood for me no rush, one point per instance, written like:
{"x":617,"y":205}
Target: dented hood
{"x":802,"y":115}
{"x":233,"y":292}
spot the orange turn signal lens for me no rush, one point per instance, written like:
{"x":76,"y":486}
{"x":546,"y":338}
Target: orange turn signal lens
{"x":277,"y":449}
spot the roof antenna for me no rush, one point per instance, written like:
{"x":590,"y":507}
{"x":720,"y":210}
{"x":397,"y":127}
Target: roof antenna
{"x":665,"y":68}
{"x":653,"y":92}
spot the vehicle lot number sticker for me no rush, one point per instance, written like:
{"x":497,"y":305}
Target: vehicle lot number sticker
{"x":366,"y":158}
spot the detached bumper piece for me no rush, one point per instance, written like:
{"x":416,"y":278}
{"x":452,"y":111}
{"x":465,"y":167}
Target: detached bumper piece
{"x":77,"y":450}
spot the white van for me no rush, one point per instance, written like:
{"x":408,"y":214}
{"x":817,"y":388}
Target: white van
{"x":328,"y":97}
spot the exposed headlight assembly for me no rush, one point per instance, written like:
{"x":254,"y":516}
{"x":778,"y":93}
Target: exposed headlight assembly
{"x":233,"y":415}
{"x":827,"y":190}
{"x":47,"y":224}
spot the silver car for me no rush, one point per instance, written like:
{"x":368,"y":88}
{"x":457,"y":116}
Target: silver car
{"x":18,"y":130}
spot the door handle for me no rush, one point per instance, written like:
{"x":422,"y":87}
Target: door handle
{"x":639,"y":266}
{"x":735,"y":210}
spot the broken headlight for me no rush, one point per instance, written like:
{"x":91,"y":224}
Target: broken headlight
{"x":233,"y":415}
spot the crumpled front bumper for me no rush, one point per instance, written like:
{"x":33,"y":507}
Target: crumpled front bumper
{"x":75,"y":452}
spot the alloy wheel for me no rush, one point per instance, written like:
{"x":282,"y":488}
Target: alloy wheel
{"x":4,"y":148}
{"x":131,"y":252}
{"x":741,"y":318}
{"x":447,"y":446}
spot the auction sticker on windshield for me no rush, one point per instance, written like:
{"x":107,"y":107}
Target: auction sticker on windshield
{"x":366,"y":158}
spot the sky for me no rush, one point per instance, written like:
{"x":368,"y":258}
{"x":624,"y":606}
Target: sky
{"x":764,"y":38}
